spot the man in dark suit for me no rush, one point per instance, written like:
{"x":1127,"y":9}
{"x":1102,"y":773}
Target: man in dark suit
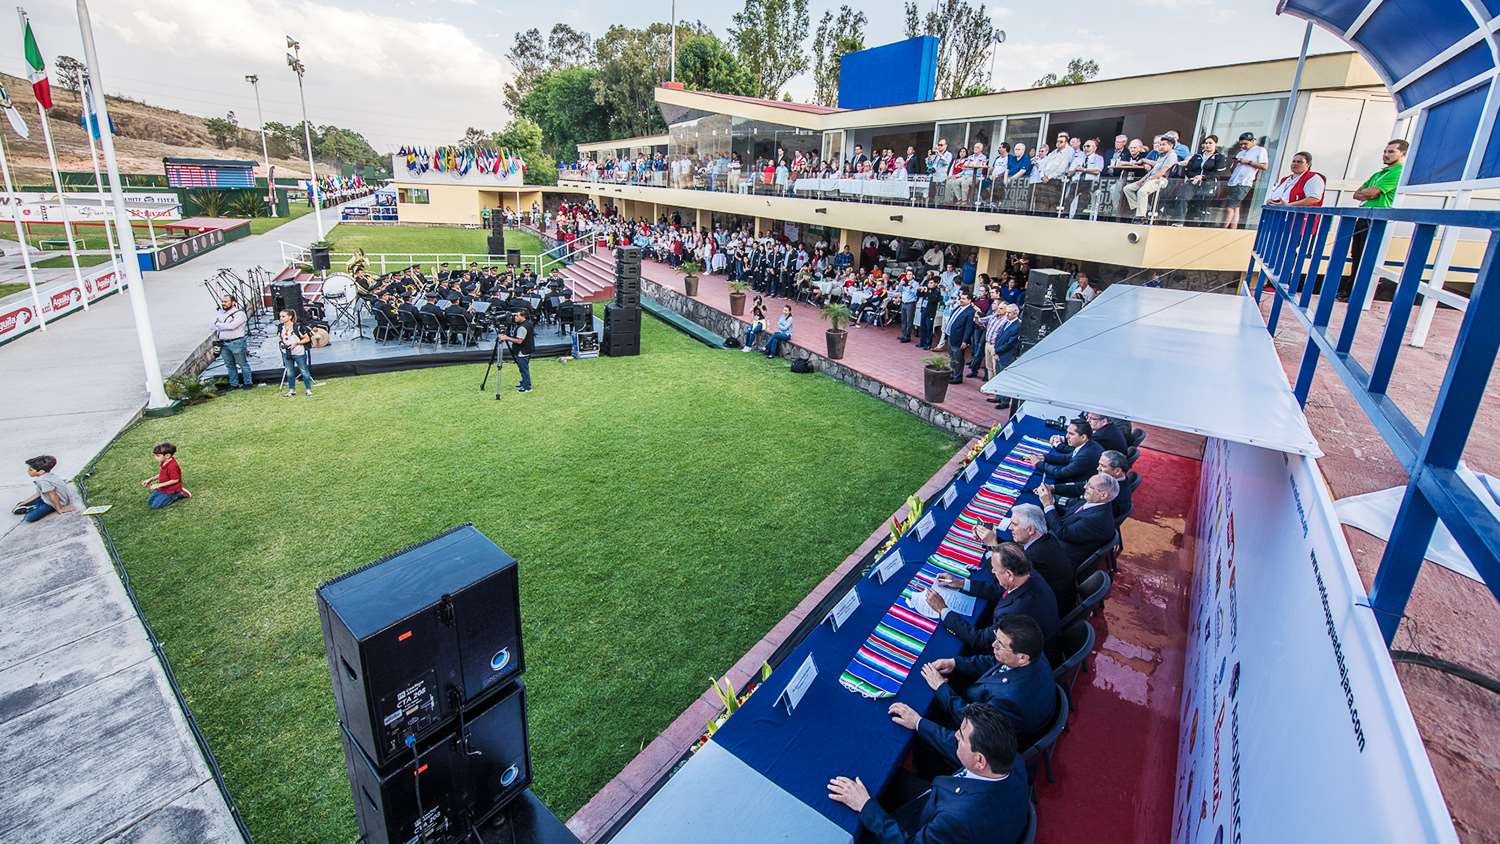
{"x":1028,"y":527}
{"x":1014,"y":677}
{"x":986,"y":799}
{"x":960,"y":330}
{"x":413,"y":328}
{"x":1111,"y":463}
{"x":1106,"y":433}
{"x":1008,"y":343}
{"x":1016,"y":590}
{"x":1088,"y":524}
{"x":1074,"y":457}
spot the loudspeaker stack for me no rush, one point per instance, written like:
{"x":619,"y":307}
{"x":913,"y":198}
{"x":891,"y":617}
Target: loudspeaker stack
{"x":424,"y":652}
{"x":622,"y":318}
{"x":496,"y":243}
{"x":1046,"y":291}
{"x":287,"y":296}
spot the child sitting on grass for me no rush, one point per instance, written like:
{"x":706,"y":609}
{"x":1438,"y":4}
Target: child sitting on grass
{"x":51,"y":492}
{"x":167,"y":486}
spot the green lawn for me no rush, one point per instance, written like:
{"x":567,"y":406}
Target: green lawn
{"x":666,"y":511}
{"x":9,"y":287}
{"x":89,"y":237}
{"x":59,"y":261}
{"x":261,"y":225}
{"x":427,"y":244}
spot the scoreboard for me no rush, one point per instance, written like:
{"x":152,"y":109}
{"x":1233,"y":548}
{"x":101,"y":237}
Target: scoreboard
{"x":209,"y":173}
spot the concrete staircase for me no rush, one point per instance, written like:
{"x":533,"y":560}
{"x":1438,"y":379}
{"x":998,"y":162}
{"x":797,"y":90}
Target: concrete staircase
{"x":592,"y":276}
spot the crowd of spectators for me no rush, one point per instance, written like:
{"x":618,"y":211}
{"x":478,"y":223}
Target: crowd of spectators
{"x":1157,"y":179}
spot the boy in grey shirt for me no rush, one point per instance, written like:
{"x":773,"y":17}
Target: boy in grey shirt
{"x":51,"y":491}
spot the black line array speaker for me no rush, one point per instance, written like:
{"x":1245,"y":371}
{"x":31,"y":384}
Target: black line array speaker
{"x":287,"y":296}
{"x":512,"y":258}
{"x":628,"y":285}
{"x":627,"y":300}
{"x":1042,"y":285}
{"x":416,"y":636}
{"x":446,"y":786}
{"x":622,"y":330}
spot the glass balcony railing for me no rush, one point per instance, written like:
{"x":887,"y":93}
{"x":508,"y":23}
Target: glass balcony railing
{"x":1205,"y":202}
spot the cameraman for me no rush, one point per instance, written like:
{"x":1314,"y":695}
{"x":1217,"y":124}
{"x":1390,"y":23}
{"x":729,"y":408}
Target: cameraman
{"x":521,"y":342}
{"x":229,"y":328}
{"x":294,"y":337}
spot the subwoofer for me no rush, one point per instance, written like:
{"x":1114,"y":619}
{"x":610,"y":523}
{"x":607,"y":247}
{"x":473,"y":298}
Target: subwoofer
{"x":287,"y":296}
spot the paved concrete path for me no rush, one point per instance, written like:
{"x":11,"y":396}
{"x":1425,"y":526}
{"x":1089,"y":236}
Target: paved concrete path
{"x":98,"y":748}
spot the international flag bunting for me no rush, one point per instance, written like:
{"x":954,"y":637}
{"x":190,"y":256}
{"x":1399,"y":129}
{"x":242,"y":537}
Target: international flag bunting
{"x":36,"y":67}
{"x":881,"y":665}
{"x":461,"y":160}
{"x":16,"y":122}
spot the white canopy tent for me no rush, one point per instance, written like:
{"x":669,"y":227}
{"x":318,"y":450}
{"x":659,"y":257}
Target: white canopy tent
{"x":1197,"y":362}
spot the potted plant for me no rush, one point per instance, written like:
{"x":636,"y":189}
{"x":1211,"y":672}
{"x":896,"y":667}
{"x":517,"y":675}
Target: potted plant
{"x":320,"y":254}
{"x":737,"y":297}
{"x":837,"y":314}
{"x":690,"y":271}
{"x":936,"y":371}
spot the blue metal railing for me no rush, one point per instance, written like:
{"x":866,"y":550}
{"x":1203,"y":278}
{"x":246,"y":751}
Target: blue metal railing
{"x":1292,"y":255}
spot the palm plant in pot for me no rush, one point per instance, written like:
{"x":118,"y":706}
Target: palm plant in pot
{"x":837,"y":315}
{"x":737,"y":297}
{"x":936,"y":370}
{"x":690,"y":270}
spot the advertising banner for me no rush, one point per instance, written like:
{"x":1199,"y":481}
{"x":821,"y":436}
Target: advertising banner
{"x":58,"y":299}
{"x":1293,"y":723}
{"x":85,"y":207}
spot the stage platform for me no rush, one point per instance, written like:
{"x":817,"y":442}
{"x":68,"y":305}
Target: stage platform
{"x":349,"y":354}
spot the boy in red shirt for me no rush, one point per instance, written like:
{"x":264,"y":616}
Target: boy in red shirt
{"x":167,"y":486}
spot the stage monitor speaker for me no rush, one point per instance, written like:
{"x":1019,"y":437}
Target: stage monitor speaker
{"x":1041,"y":283}
{"x":414,"y":636}
{"x":287,"y":296}
{"x":512,"y":257}
{"x":627,"y":300}
{"x":583,"y":316}
{"x":459,"y":779}
{"x":1071,"y":307}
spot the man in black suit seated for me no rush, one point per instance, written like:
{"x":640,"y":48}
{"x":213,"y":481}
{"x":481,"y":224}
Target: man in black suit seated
{"x":1014,"y":677}
{"x":1016,"y":590}
{"x":1088,"y":524}
{"x":1111,"y":463}
{"x":1028,"y":527}
{"x":411,"y":330}
{"x":1072,"y":458}
{"x":986,"y":799}
{"x":432,"y":308}
{"x":1106,"y":433}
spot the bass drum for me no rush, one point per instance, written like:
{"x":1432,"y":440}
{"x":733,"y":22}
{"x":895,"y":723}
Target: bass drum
{"x":339,"y":287}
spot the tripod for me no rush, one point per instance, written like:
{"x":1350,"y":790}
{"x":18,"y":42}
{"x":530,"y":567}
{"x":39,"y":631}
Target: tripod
{"x":497,"y":361}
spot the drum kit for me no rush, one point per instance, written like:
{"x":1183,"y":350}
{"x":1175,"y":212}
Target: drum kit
{"x":342,"y":295}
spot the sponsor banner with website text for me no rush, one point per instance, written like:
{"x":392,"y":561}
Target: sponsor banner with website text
{"x":85,"y":208}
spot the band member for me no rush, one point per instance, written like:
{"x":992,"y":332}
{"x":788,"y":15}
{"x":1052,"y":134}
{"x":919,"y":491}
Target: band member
{"x":521,"y":342}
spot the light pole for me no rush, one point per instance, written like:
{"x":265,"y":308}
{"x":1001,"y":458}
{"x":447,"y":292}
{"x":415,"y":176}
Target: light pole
{"x":294,"y":61}
{"x":999,"y":38}
{"x":265,"y":149}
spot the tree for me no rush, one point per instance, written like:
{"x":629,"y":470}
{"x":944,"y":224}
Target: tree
{"x":562,"y":104}
{"x":835,"y":37}
{"x":1079,"y":70}
{"x":705,"y":64}
{"x":345,"y":146}
{"x":524,"y":138}
{"x":223,"y":130}
{"x":965,"y":33}
{"x":631,"y":63}
{"x":532,"y":56}
{"x":284,"y":140}
{"x":768,"y":36}
{"x":473,"y":137}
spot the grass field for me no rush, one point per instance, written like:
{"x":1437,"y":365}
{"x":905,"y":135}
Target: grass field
{"x":60,"y":261}
{"x":261,"y":225}
{"x":89,"y":237}
{"x":666,"y":511}
{"x":427,"y":244}
{"x":9,"y":287}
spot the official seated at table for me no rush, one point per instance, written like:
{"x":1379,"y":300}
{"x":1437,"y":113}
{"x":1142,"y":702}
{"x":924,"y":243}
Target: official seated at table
{"x":1088,"y":523}
{"x":1015,"y":590}
{"x":1073,"y":458}
{"x":985,"y":800}
{"x":1015,"y":678}
{"x":1111,"y":463}
{"x":1107,"y":435}
{"x":1028,"y":527}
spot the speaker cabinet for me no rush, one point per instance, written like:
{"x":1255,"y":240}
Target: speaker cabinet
{"x":414,"y":636}
{"x":1046,"y":287}
{"x":287,"y":296}
{"x":627,"y":300}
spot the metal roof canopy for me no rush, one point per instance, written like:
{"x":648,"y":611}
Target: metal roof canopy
{"x":1197,"y":362}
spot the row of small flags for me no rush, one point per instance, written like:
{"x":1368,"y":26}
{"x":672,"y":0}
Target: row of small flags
{"x":461,"y":160}
{"x":41,"y":88}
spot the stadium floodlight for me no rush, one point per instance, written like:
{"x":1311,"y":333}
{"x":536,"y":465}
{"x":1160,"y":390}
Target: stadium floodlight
{"x":292,"y":43}
{"x":294,"y":61}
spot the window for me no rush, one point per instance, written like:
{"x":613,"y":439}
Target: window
{"x":412,"y":196}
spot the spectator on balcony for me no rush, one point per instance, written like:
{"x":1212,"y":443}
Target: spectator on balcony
{"x":1138,"y":193}
{"x":1250,"y":159}
{"x":1378,"y":191}
{"x":1303,"y":186}
{"x":1081,"y":288}
{"x":1204,"y":174}
{"x":939,"y":163}
{"x":1177,"y":145}
{"x":1017,"y":164}
{"x":972,"y":171}
{"x":1052,"y":174}
{"x":1088,"y":165}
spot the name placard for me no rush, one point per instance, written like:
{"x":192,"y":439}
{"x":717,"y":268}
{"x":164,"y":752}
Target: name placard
{"x":989,"y":448}
{"x":889,"y":566}
{"x":949,"y":497}
{"x":843,"y":609}
{"x":1009,"y":429}
{"x":970,"y":471}
{"x":924,"y":525}
{"x":801,"y":682}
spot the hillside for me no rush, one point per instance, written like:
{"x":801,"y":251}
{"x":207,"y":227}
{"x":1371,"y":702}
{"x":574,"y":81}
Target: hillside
{"x":147,"y":134}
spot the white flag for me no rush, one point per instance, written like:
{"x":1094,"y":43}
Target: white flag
{"x":16,"y":122}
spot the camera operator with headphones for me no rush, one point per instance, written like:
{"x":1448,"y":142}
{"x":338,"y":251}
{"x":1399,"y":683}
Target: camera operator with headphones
{"x":522,"y":340}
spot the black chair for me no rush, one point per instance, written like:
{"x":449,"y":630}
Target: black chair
{"x":1097,"y":561}
{"x":1131,"y":454}
{"x":1127,"y":487}
{"x":383,"y":324}
{"x":1094,"y":589}
{"x":1073,"y":644}
{"x":1042,"y":748}
{"x":1137,"y":436}
{"x":460,"y":326}
{"x":1028,"y":835}
{"x":431,"y":325}
{"x":410,"y":328}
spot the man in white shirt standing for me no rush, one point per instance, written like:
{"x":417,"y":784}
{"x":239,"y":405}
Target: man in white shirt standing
{"x":939,"y":164}
{"x":973,"y":171}
{"x":1249,"y":160}
{"x":1054,"y":170}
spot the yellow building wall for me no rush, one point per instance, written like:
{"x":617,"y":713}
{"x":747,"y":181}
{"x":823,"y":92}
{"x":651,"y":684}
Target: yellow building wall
{"x":449,"y":204}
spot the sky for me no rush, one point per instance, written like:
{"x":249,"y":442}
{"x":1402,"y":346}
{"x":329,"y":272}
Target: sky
{"x":421,"y":71}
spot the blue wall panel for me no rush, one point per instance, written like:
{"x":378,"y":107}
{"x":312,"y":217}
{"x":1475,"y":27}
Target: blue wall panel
{"x":891,"y":74}
{"x":1446,"y":139}
{"x":1461,"y":68}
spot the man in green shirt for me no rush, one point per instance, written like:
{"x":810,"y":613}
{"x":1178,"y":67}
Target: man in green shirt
{"x":1378,"y":191}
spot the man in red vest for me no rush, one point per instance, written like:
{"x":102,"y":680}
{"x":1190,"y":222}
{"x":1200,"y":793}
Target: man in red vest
{"x":1303,"y":187}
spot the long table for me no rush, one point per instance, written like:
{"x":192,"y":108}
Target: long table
{"x":763,"y":776}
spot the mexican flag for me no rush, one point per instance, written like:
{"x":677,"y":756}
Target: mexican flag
{"x":37,"y":69}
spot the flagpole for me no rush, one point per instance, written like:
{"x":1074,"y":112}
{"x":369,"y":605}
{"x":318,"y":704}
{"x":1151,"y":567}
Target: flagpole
{"x":156,"y":394}
{"x":57,"y":180}
{"x":15,"y":215}
{"x":89,"y":123}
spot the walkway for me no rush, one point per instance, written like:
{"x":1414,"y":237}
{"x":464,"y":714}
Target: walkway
{"x":98,"y":745}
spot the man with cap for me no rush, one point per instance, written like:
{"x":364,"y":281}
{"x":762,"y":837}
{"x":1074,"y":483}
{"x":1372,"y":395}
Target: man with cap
{"x":1250,"y":160}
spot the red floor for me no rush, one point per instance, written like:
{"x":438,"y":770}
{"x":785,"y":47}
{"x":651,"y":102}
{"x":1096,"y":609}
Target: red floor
{"x":1116,"y":764}
{"x":876,"y":352}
